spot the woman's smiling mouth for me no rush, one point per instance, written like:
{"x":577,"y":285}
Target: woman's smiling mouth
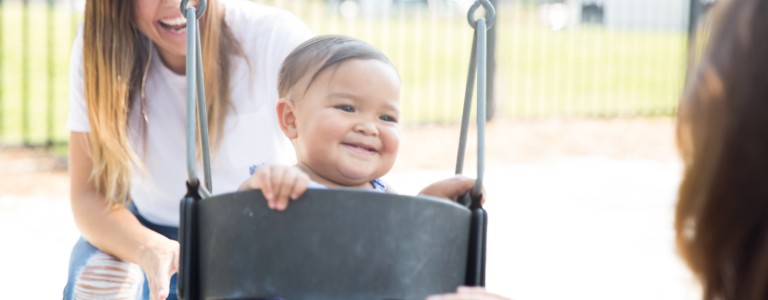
{"x":175,"y":25}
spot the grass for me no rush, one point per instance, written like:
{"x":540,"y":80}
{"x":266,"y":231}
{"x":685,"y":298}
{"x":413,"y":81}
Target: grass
{"x":580,"y":72}
{"x":591,"y":72}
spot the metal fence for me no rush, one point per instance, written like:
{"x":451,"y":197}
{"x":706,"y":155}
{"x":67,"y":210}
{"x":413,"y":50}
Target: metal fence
{"x":35,"y":41}
{"x":566,"y":58}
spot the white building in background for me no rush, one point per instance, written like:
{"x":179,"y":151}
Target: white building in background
{"x":625,"y":14}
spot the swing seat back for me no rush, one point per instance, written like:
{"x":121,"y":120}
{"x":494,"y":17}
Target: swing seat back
{"x":330,"y":244}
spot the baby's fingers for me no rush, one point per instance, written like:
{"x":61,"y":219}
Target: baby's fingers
{"x":282,"y":184}
{"x":274,"y":182}
{"x":300,"y":185}
{"x":252,"y":183}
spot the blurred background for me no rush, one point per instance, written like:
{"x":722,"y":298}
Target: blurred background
{"x":582,"y":165}
{"x":568,"y":58}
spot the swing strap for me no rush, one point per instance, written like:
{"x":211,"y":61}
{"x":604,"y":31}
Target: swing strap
{"x":196,"y":99}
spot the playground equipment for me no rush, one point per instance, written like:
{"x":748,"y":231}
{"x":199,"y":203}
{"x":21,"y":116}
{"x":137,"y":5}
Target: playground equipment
{"x":332,"y":244}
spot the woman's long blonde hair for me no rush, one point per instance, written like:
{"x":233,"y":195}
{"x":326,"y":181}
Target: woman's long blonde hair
{"x":722,"y":212}
{"x":114,"y":56}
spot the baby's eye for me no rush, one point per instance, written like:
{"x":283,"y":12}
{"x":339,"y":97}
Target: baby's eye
{"x":347,"y":108}
{"x":388,"y":118}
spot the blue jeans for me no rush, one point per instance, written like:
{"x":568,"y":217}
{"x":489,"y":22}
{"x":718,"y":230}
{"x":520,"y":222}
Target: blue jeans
{"x":95,"y":274}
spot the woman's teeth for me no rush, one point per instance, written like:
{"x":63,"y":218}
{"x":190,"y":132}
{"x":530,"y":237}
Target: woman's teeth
{"x":178,"y":24}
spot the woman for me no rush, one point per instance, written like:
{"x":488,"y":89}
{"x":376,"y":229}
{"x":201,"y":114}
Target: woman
{"x":722,"y":211}
{"x":127,"y":122}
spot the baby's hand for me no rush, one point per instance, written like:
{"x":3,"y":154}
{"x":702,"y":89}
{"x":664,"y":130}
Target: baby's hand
{"x":278,"y":184}
{"x":451,"y":188}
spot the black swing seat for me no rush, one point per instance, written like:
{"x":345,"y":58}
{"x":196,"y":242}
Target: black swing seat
{"x":330,"y":244}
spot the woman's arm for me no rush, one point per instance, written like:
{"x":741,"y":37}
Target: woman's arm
{"x":115,"y":230}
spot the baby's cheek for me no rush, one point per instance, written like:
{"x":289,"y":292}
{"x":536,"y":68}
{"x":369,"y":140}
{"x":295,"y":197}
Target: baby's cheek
{"x":391,"y":140}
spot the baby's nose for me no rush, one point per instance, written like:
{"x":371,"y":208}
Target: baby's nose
{"x":366,"y":128}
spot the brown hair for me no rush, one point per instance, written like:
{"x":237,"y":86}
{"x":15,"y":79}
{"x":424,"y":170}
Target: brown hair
{"x":721,"y":220}
{"x":319,"y":54}
{"x":114,"y":56}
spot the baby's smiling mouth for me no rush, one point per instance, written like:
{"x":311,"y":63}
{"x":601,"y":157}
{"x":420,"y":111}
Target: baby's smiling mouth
{"x":361,"y":147}
{"x":178,"y":24}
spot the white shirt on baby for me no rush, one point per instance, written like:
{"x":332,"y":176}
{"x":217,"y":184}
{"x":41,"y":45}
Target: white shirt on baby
{"x":250,"y":134}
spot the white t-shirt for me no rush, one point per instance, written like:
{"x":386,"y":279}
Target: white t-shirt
{"x":250,"y":135}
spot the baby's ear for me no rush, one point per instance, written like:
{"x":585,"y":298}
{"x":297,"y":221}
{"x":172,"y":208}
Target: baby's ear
{"x":286,"y":116}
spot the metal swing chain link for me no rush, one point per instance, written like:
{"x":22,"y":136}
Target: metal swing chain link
{"x":490,"y":13}
{"x":196,"y":95}
{"x":200,"y":8}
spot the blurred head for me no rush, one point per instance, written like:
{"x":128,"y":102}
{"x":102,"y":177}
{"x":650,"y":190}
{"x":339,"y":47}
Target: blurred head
{"x":722,"y":212}
{"x":116,"y":47}
{"x":340,"y":107}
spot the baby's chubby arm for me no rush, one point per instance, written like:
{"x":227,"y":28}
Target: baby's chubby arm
{"x":451,"y":188}
{"x":278,"y":183}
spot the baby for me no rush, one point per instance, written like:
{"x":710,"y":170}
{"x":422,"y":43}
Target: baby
{"x":340,"y":107}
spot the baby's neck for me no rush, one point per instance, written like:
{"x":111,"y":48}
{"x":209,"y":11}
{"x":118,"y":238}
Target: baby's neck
{"x":328,"y":182}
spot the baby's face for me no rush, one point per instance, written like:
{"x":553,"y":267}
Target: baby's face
{"x":347,"y":124}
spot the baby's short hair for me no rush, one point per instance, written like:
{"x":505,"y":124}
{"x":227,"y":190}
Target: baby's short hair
{"x":324,"y":51}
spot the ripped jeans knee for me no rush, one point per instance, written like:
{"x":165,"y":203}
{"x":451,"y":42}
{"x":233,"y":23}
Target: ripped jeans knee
{"x":94,"y":274}
{"x":106,"y":277}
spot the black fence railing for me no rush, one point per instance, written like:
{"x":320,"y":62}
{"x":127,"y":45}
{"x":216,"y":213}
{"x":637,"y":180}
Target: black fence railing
{"x":573,"y":58}
{"x":35,"y":42}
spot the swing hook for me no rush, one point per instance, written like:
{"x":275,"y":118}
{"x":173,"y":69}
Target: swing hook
{"x":490,"y":13}
{"x":200,"y":8}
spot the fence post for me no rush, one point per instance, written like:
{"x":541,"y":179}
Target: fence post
{"x":2,"y":82}
{"x":49,"y":85}
{"x":25,"y":76}
{"x":696,"y":9}
{"x":693,"y":17}
{"x":491,"y":67}
{"x":74,"y":22}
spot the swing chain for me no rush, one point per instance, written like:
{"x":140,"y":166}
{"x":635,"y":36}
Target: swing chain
{"x":490,"y":13}
{"x":200,"y":8}
{"x":196,"y":97}
{"x":477,"y":66}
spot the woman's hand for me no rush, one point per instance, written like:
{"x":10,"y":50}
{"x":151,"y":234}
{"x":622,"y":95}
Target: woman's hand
{"x":159,"y":262}
{"x":451,"y":188}
{"x":468,"y":293}
{"x":278,"y":184}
